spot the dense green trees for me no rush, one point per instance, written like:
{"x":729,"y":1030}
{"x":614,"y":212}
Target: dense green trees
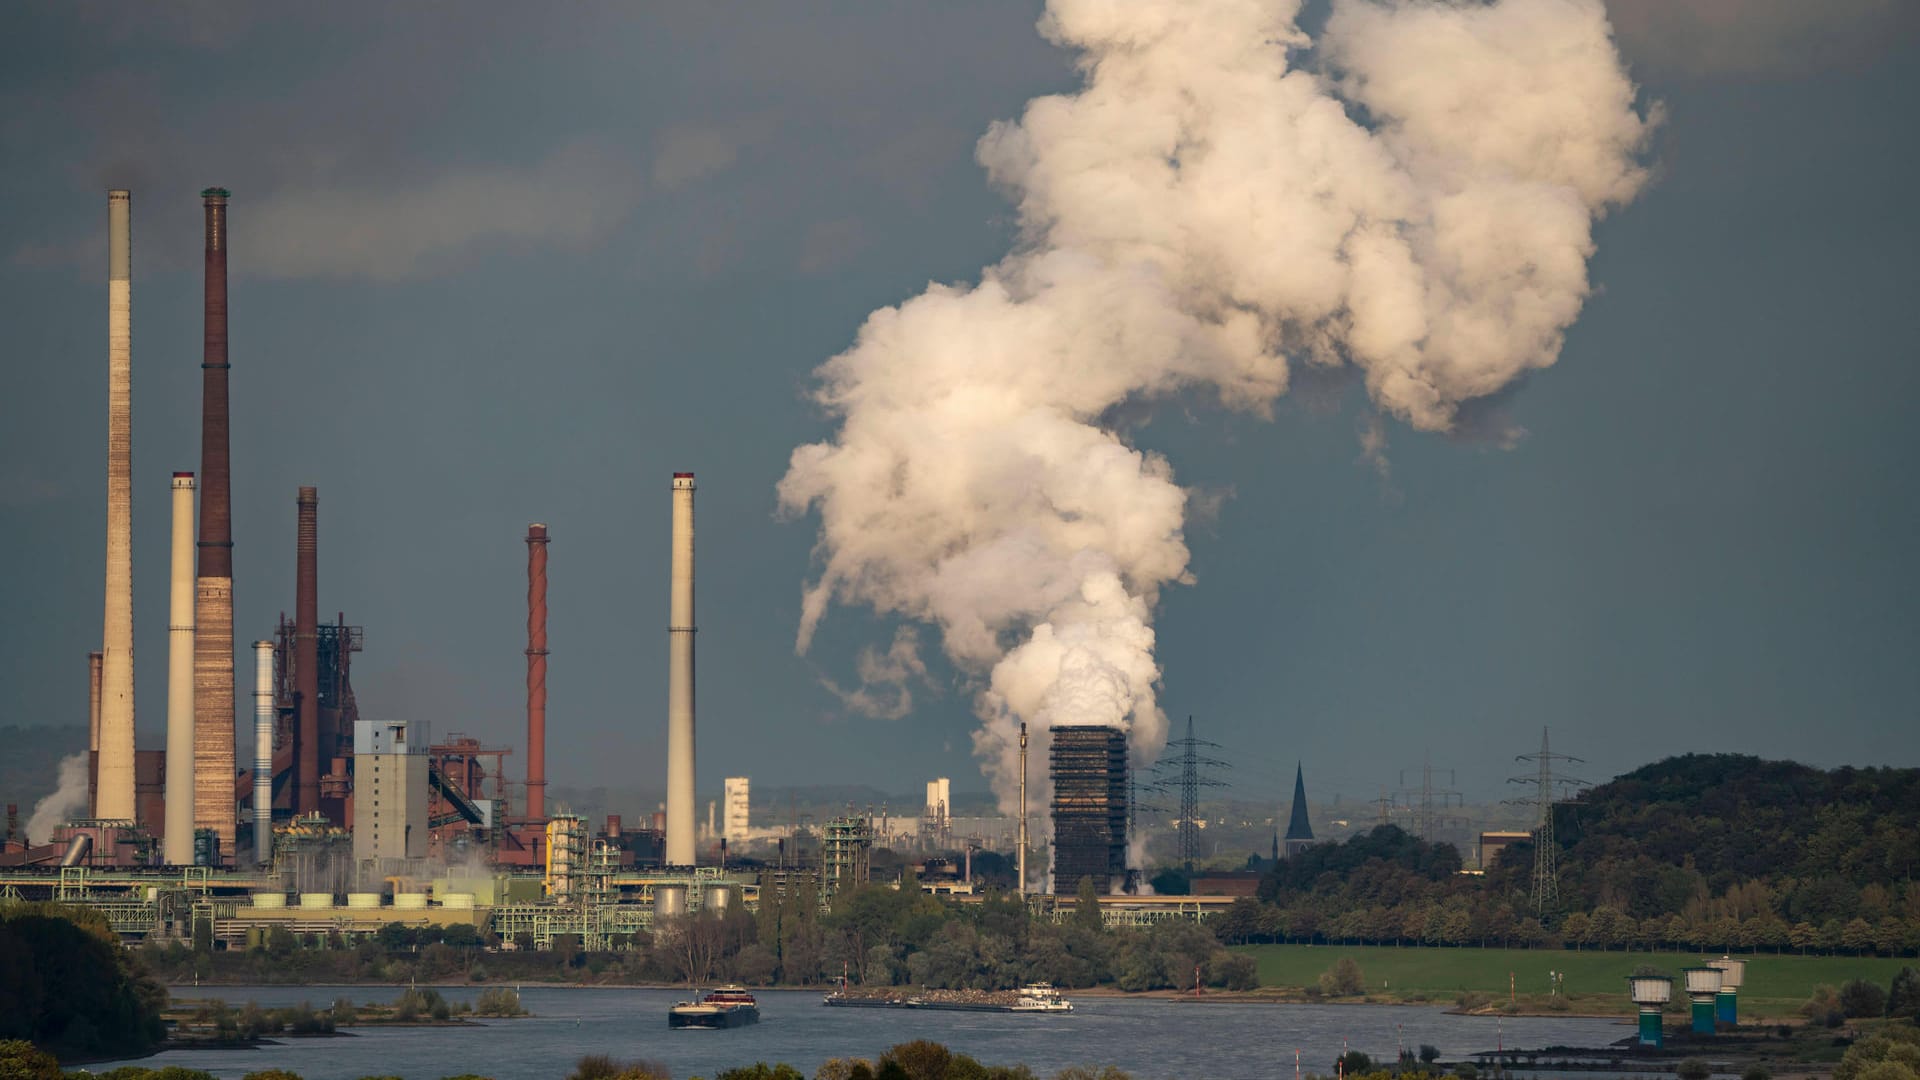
{"x":1717,"y":852}
{"x":67,"y":986}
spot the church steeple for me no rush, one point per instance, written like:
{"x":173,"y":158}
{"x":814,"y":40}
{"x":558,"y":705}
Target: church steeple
{"x":1299,"y":829}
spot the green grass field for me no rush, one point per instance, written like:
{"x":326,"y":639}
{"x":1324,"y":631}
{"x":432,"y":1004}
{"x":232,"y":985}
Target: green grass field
{"x":1775,"y":985}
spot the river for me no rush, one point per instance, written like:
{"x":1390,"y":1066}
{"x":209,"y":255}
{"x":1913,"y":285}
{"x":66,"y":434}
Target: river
{"x":1153,"y":1039}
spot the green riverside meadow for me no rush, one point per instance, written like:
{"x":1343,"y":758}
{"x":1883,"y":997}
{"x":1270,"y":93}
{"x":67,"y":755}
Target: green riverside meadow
{"x":1775,"y":984}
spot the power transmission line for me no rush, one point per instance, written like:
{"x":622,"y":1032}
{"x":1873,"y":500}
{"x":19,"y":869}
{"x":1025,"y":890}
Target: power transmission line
{"x":1432,"y":799}
{"x":1546,"y":870}
{"x":1194,"y":772}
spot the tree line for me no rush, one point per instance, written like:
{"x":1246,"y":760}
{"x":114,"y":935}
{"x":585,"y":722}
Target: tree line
{"x":1721,"y":852}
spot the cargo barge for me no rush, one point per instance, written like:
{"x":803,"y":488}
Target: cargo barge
{"x":727,"y":1007}
{"x":1038,"y":998}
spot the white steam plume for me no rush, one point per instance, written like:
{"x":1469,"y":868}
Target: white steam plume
{"x":1415,"y":200}
{"x":68,"y":800}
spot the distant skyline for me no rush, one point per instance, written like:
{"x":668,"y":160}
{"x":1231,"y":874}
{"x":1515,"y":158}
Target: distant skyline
{"x":521,"y":267}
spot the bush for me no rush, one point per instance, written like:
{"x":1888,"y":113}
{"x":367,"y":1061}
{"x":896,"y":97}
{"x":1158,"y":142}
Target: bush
{"x":1823,"y":1007}
{"x":1352,"y":1063}
{"x":1693,"y":1069}
{"x":499,"y":1001}
{"x":1757,"y":1072}
{"x":602,"y":1067}
{"x":1862,"y":998}
{"x":271,"y":1074}
{"x":21,"y":1060}
{"x":1466,"y":1071}
{"x":1429,"y":1053}
{"x":1903,"y":997}
{"x":760,"y":1070}
{"x":921,"y":1059}
{"x":1238,"y":973}
{"x":1343,"y":979}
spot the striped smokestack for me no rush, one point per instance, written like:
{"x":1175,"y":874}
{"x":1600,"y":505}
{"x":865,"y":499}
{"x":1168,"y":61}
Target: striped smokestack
{"x":177,"y":849}
{"x":263,"y":752}
{"x":306,"y":656}
{"x":680,"y":631}
{"x":114,"y":794}
{"x":213,"y":687}
{"x":536,"y":672}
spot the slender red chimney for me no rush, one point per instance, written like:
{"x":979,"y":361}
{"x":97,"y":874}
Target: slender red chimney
{"x":536,"y":672}
{"x":306,"y":656}
{"x":213,"y":757}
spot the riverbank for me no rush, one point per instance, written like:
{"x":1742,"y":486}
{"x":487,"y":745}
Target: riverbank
{"x":1552,"y":981}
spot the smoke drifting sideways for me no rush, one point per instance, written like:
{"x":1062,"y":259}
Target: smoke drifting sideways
{"x":68,"y":800}
{"x":1411,"y":193}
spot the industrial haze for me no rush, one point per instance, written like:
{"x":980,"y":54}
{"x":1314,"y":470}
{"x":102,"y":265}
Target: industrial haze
{"x":455,"y":326}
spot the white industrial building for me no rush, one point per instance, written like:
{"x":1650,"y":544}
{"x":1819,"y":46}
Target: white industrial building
{"x":738,"y":805}
{"x":389,"y":791}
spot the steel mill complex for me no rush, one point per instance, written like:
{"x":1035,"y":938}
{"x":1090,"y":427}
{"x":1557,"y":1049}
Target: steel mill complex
{"x":342,"y":822}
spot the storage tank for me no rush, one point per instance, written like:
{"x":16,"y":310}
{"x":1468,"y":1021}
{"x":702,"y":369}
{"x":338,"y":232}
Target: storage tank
{"x":718,"y":899}
{"x":1651,"y":993}
{"x":410,"y":901}
{"x":360,"y":901}
{"x":1726,"y":1004}
{"x":669,"y":900}
{"x":461,"y":901}
{"x":269,"y":900}
{"x":1703,"y":986}
{"x":310,"y":901}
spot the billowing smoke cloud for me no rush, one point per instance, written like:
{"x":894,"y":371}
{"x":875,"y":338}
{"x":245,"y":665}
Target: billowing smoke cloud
{"x":886,"y":679}
{"x":1412,"y":194}
{"x":67,"y":801}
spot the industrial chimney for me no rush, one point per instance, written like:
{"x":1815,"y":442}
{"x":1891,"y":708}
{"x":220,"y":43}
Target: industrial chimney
{"x":93,"y":739}
{"x":263,"y":752}
{"x":178,"y":844}
{"x":536,"y":672}
{"x":680,"y":631}
{"x":114,"y":785}
{"x":306,"y":657}
{"x":213,"y":677}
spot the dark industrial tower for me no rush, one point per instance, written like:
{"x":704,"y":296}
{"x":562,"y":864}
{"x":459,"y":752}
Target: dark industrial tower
{"x":1088,"y":766}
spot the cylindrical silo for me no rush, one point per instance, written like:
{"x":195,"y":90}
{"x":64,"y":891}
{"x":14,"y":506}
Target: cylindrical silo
{"x":669,"y":900}
{"x":177,"y":846}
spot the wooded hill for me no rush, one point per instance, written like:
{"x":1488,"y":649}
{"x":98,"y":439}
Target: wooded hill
{"x":1702,"y":851}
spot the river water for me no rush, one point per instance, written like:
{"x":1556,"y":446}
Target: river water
{"x":1152,"y":1039}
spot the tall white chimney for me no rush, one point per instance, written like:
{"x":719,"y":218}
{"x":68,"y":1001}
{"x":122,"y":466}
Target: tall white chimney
{"x":680,"y":631}
{"x":114,"y":800}
{"x":178,"y":847}
{"x":262,"y":752}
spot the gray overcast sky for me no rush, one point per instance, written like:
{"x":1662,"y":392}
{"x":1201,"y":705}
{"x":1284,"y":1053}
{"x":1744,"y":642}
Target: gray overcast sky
{"x":499,"y":264}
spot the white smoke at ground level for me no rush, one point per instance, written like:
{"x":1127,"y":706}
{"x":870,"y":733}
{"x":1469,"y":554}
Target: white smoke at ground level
{"x":67,"y":801}
{"x":1202,"y":216}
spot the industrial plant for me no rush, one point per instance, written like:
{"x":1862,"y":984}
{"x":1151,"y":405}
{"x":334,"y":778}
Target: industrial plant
{"x":341,"y":822}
